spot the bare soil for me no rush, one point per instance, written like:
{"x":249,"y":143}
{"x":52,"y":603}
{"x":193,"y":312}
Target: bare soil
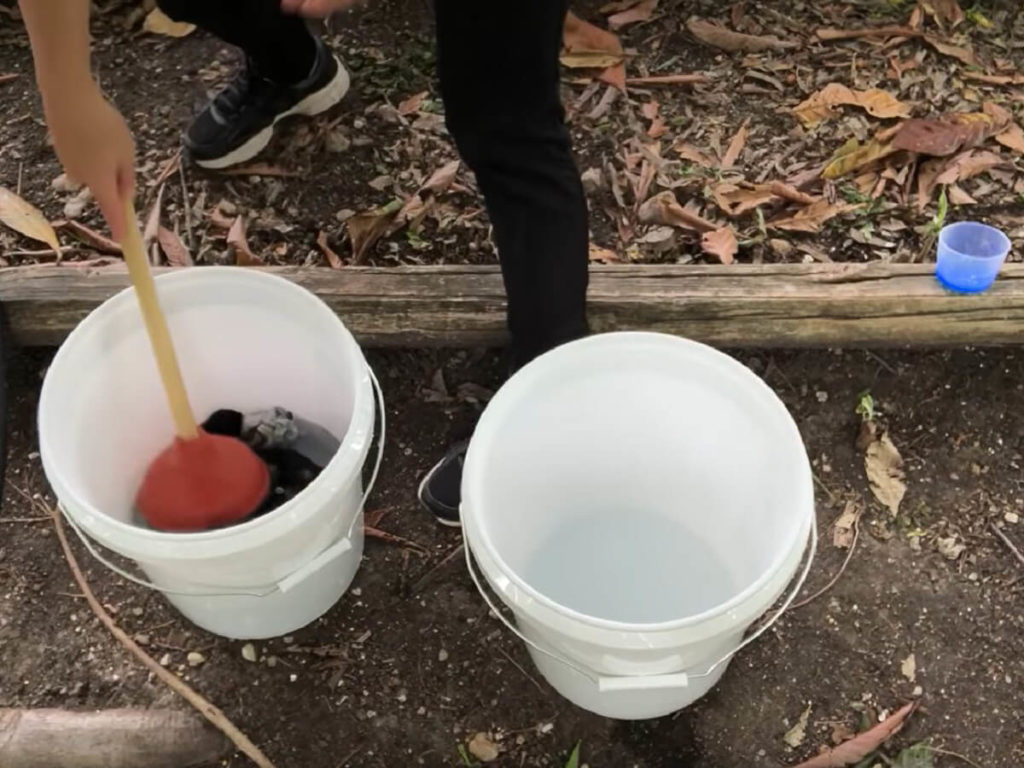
{"x":408,"y":664}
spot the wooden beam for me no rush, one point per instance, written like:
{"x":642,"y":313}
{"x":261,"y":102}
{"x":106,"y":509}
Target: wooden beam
{"x":875,"y":304}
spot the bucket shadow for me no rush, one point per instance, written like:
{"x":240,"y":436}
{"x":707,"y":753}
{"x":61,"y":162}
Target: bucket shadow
{"x":668,"y":742}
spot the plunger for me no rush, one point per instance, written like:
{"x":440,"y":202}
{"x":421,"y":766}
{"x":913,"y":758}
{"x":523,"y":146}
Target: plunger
{"x":200,"y":481}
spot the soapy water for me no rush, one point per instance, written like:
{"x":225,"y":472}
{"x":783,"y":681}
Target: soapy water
{"x":632,"y":567}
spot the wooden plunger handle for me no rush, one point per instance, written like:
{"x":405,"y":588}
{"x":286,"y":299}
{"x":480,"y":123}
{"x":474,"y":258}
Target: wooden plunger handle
{"x":156,"y":326}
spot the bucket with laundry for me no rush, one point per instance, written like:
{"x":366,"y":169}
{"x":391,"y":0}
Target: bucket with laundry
{"x":251,"y":342}
{"x":637,"y":502}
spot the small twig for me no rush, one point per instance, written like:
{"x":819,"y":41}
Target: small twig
{"x":518,"y":666}
{"x":1006,"y":540}
{"x":21,"y":167}
{"x":24,"y":519}
{"x":834,"y":579}
{"x":391,"y":538}
{"x":430,"y":573}
{"x":825,"y":488}
{"x":957,"y":755}
{"x":187,"y":206}
{"x":41,"y":252}
{"x":881,"y":362}
{"x":204,"y":707}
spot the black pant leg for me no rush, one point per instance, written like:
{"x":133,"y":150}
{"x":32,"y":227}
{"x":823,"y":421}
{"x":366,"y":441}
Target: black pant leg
{"x":281,"y":45}
{"x":499,"y":69}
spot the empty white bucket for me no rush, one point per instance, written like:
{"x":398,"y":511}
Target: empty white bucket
{"x":637,"y":501}
{"x":246,"y":340}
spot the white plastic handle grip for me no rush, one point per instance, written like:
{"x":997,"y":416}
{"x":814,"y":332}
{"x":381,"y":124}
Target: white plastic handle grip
{"x":290,"y":581}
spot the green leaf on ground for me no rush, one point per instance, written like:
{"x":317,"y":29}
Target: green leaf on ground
{"x":917,"y":756}
{"x":574,"y":758}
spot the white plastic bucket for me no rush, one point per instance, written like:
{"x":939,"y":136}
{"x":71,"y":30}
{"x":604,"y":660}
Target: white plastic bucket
{"x":637,"y":501}
{"x":246,"y":340}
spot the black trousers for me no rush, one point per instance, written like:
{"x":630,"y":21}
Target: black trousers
{"x":498,"y":62}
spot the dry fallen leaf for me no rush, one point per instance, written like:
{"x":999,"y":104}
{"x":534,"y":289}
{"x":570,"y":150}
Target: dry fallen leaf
{"x":739,"y":141}
{"x":694,"y":155}
{"x":483,"y":749}
{"x":968,"y":164}
{"x":736,"y":199}
{"x":843,"y":529}
{"x":412,"y":104}
{"x":944,"y":11}
{"x":332,"y":258}
{"x":884,"y":468}
{"x":830,"y":33}
{"x":640,"y":12}
{"x":795,"y":736}
{"x":853,"y":156}
{"x":157,"y":23}
{"x":663,"y":208}
{"x":811,"y":218}
{"x":585,"y":46}
{"x":727,"y":40}
{"x":365,"y":229}
{"x":875,"y":102}
{"x":960,"y":53}
{"x":21,"y":216}
{"x":175,"y":251}
{"x":244,"y":257}
{"x":680,"y":79}
{"x":258,"y":169}
{"x":720,"y":243}
{"x":994,"y":79}
{"x":602,"y":255}
{"x":908,"y":668}
{"x":948,"y":134}
{"x":862,"y":745}
{"x":1012,"y":138}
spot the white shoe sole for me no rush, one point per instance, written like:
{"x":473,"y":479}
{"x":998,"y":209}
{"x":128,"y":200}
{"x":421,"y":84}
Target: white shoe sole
{"x":419,"y":497}
{"x":314,"y":104}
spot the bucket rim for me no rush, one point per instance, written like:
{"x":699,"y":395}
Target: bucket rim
{"x":265,"y":527}
{"x":477,"y":535}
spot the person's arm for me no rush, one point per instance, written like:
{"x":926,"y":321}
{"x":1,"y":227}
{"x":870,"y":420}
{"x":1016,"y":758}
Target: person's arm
{"x":90,"y":136}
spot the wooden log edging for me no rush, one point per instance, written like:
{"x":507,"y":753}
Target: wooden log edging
{"x":792,"y":305}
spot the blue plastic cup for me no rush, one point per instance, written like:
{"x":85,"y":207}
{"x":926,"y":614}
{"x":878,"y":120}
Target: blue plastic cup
{"x":970,"y":256}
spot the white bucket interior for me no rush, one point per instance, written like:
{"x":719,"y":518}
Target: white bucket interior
{"x":243,"y":343}
{"x":641,"y":480}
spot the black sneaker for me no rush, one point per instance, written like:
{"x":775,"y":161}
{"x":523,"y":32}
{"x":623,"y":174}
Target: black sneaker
{"x":441,"y":490}
{"x":239,"y":123}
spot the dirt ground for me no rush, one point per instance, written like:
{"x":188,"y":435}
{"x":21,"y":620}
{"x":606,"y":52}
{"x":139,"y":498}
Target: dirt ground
{"x":387,"y":138}
{"x":408,"y":666}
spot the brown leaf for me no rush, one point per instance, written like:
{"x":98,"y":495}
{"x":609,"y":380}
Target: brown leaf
{"x":650,"y":109}
{"x":640,"y":12}
{"x":958,"y":196}
{"x":946,"y":135}
{"x":842,"y":529}
{"x":332,"y":258}
{"x":694,"y":155}
{"x":811,"y":218}
{"x":157,"y":23}
{"x":739,"y":141}
{"x":603,"y":255}
{"x":829,"y":33}
{"x":258,"y":169}
{"x":663,"y":208}
{"x":852,"y":156}
{"x":968,"y":164}
{"x":862,"y":745}
{"x":89,"y":236}
{"x":927,"y":180}
{"x":876,"y":102}
{"x":720,"y":243}
{"x":727,"y":40}
{"x":244,"y":257}
{"x":1012,"y":138}
{"x":585,"y":46}
{"x":944,"y":11}
{"x":966,"y":55}
{"x":680,"y":79}
{"x":736,"y":200}
{"x":23,"y":217}
{"x":994,"y":79}
{"x":413,"y":103}
{"x":883,"y":466}
{"x":175,"y":251}
{"x":219,"y":220}
{"x":442,"y":178}
{"x":365,"y":229}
